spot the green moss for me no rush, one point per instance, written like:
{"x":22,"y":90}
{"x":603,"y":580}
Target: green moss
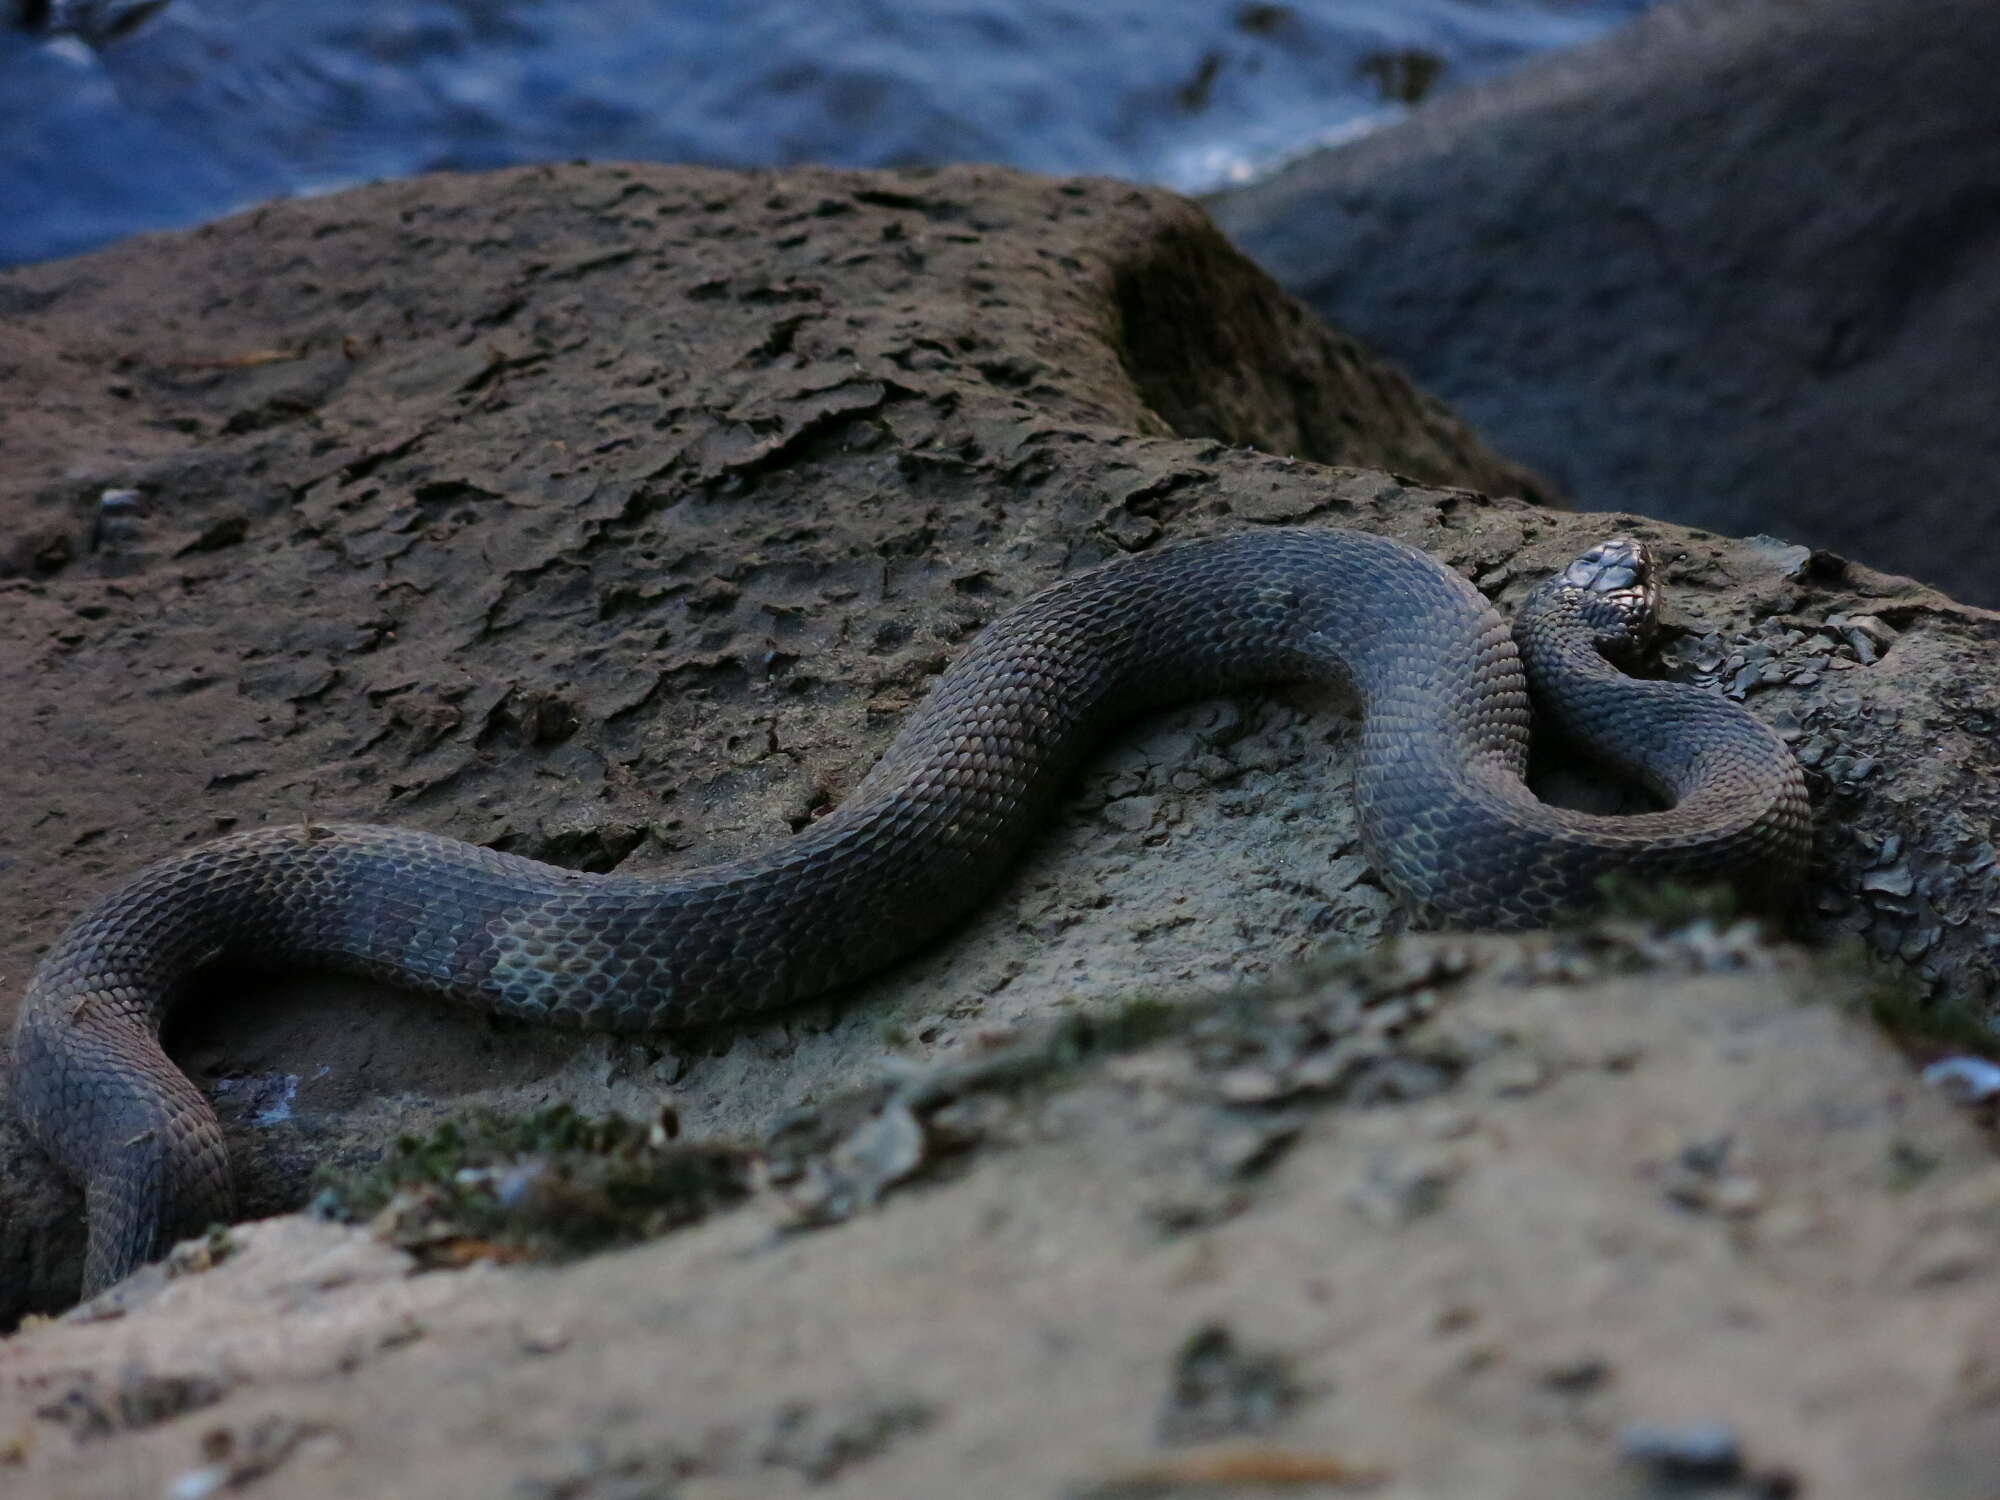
{"x":1084,"y":1037}
{"x":1665,"y":903}
{"x":1909,"y":1164}
{"x":1126,"y":1025}
{"x":1898,"y":1001}
{"x":546,"y":1186}
{"x":1053,"y":1052}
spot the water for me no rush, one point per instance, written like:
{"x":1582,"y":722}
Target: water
{"x":124,"y":115}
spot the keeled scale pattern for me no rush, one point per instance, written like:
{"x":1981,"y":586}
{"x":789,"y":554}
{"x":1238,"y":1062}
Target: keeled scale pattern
{"x":1445,"y":818}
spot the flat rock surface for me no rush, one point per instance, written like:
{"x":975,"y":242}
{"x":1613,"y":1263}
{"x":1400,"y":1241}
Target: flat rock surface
{"x":1734,"y":265}
{"x":615,"y":516}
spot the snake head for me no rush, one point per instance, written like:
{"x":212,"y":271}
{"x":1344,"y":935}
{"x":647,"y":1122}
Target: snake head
{"x":1614,"y":590}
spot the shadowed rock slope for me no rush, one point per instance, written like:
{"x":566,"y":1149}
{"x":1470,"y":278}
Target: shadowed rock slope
{"x":1737,"y":264}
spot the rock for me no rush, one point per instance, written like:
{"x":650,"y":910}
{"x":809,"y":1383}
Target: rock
{"x":1023,"y":1324}
{"x":1964,"y":1080}
{"x":1702,"y":269}
{"x":1699,"y":1453}
{"x":634,"y":508}
{"x":599,"y":515}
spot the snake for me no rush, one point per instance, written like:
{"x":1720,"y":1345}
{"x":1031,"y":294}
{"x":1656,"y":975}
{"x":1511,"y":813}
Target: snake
{"x":1446,"y":819}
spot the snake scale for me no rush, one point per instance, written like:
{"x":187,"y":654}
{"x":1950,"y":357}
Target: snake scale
{"x":1446,"y":820}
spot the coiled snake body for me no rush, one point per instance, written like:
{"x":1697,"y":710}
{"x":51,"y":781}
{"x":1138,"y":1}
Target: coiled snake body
{"x":1446,"y":820}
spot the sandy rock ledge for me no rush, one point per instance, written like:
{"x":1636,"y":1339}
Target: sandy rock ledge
{"x":1491,"y":1218}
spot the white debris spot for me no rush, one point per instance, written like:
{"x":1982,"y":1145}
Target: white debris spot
{"x":1965,"y":1080}
{"x":270,"y":1095}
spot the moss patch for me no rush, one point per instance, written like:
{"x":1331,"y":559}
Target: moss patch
{"x":547,"y":1186}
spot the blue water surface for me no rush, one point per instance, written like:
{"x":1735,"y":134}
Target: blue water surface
{"x":118,"y":117}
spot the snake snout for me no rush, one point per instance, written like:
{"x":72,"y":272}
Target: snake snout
{"x":1615,"y":565}
{"x":1616,"y":591}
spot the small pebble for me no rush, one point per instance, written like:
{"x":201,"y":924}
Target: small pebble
{"x":1964,"y":1080}
{"x":198,"y":1484}
{"x":1708,"y":1452}
{"x":1737,"y":1197}
{"x":1897,"y":881}
{"x":1577,"y":1376}
{"x":1250,"y":1085}
{"x":1133,"y":814}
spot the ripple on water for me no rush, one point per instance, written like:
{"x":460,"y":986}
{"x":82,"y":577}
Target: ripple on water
{"x":123,"y":115}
